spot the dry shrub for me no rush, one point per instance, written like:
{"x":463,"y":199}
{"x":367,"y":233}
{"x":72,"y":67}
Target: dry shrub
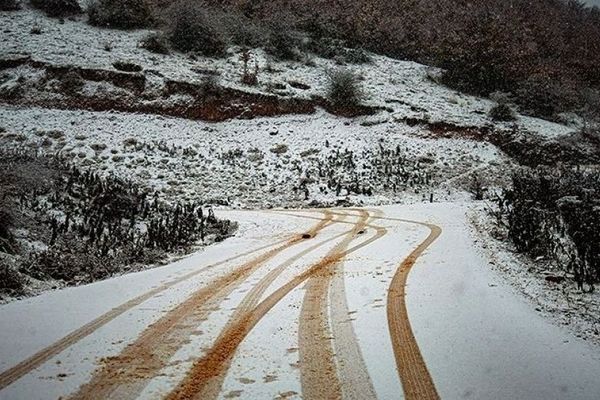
{"x":58,"y":8}
{"x":121,"y":14}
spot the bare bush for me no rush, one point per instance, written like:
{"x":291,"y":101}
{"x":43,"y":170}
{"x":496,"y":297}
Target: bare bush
{"x":121,"y":14}
{"x":156,"y":43}
{"x":12,"y":283}
{"x":284,"y":44}
{"x":58,"y":8}
{"x":344,"y":88}
{"x":9,"y":5}
{"x":191,"y":28}
{"x":502,"y":112}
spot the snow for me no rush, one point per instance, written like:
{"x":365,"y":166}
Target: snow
{"x":405,"y":87}
{"x":487,"y":323}
{"x":478,"y":336}
{"x":184,"y":158}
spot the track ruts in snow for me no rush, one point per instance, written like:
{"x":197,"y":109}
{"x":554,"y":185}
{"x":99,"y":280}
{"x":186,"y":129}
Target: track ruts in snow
{"x":318,"y":368}
{"x":213,"y":386}
{"x":211,"y":365}
{"x":414,"y":375}
{"x":352,"y":370}
{"x":24,"y":367}
{"x":126,"y":375}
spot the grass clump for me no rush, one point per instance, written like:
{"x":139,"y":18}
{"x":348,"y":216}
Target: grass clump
{"x":191,"y":29}
{"x":344,"y":88}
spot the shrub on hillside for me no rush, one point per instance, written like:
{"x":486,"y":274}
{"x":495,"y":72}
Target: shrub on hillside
{"x":122,"y":14}
{"x":555,"y":213}
{"x":283,"y":44}
{"x":9,"y":5}
{"x":156,"y":43}
{"x":502,"y":112}
{"x":6,"y":222}
{"x":12,"y":282}
{"x":344,"y":88}
{"x":58,"y":8}
{"x":336,"y":49}
{"x":547,"y":97}
{"x":191,"y":28}
{"x":243,"y":31}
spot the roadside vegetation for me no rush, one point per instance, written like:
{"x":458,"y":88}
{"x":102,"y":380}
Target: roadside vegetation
{"x":553,"y":214}
{"x":66,"y":225}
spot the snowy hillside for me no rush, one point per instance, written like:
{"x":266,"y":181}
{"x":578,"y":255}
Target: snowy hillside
{"x":410,"y":245}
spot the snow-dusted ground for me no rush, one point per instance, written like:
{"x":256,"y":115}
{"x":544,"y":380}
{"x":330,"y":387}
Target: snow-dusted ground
{"x":403,"y":86}
{"x":233,"y":161}
{"x":479,"y":338}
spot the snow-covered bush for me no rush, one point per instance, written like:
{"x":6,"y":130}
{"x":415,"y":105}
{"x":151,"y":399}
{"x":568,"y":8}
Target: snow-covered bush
{"x":502,"y":112}
{"x":344,"y":88}
{"x":191,"y":28}
{"x":156,"y":43}
{"x":87,"y":226}
{"x":122,"y":14}
{"x":555,"y":213}
{"x":58,"y":8}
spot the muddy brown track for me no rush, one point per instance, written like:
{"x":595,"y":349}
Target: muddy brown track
{"x":412,"y":370}
{"x":24,"y":367}
{"x":211,"y":390}
{"x":318,"y":369}
{"x":352,"y":370}
{"x":126,"y":375}
{"x":213,"y":363}
{"x":414,"y":375}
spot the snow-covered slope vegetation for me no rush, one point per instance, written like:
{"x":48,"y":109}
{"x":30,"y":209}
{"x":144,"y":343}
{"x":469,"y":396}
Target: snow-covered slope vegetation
{"x":226,"y":107}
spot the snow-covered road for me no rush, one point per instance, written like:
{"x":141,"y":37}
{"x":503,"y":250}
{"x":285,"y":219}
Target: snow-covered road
{"x":301,"y":304}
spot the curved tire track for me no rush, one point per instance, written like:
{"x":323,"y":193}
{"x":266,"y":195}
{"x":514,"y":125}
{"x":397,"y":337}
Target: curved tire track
{"x":213,"y":387}
{"x":212,"y":364}
{"x":24,"y":367}
{"x":414,"y":375}
{"x":318,"y":370}
{"x":355,"y":379}
{"x":126,"y":375}
{"x":412,"y":370}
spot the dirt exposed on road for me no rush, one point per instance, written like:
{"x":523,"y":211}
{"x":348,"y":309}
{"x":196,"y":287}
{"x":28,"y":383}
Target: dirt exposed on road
{"x":126,"y":375}
{"x":416,"y":380}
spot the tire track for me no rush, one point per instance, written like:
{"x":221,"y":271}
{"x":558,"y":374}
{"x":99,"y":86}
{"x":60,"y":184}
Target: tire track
{"x":24,"y":367}
{"x":212,"y":364}
{"x":318,"y":369}
{"x":414,"y":375}
{"x":355,"y":379}
{"x":303,"y":216}
{"x":212,"y":389}
{"x":412,"y":370}
{"x":126,"y":375}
